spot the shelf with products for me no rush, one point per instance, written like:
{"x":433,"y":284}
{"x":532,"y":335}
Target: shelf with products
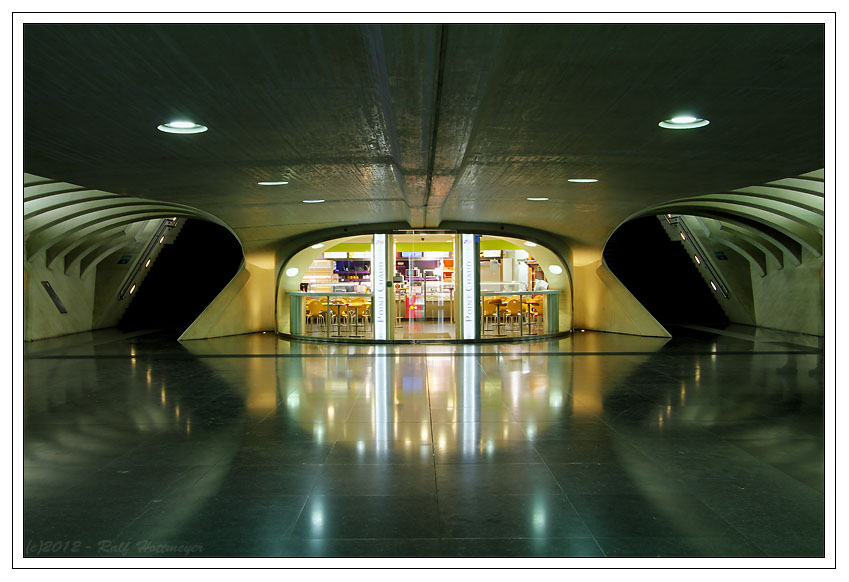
{"x":448,"y":270}
{"x":353,"y":270}
{"x":320,"y":272}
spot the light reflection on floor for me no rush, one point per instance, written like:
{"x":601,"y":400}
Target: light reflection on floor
{"x":708,"y":444}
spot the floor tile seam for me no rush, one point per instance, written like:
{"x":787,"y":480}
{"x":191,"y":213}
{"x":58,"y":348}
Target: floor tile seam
{"x":433,"y":451}
{"x":569,"y":501}
{"x":95,"y":342}
{"x":352,"y":407}
{"x":141,"y":514}
{"x":765,"y":464}
{"x":308,"y":496}
{"x":730,"y":526}
{"x":164,"y":357}
{"x":290,"y":529}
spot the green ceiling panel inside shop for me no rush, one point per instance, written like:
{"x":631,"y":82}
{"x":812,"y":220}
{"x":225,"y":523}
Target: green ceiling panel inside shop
{"x":407,"y":247}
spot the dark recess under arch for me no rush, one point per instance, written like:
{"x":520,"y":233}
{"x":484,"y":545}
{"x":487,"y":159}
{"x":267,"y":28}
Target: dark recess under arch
{"x":661,"y":275}
{"x":186,"y":276}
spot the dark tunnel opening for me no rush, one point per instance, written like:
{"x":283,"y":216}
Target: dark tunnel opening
{"x":186,"y":276}
{"x":661,"y":275}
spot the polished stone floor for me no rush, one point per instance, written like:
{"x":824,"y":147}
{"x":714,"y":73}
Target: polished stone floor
{"x":596,"y":445}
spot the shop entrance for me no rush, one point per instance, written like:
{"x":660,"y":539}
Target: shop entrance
{"x":424,"y":285}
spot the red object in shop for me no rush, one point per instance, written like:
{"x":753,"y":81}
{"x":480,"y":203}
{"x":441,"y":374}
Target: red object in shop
{"x":413,"y":311}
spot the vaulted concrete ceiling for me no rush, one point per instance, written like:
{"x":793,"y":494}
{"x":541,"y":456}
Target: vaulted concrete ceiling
{"x":422,"y":124}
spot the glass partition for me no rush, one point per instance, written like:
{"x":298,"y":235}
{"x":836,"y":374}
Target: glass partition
{"x":337,"y":300}
{"x":516,"y":314}
{"x":332,"y":315}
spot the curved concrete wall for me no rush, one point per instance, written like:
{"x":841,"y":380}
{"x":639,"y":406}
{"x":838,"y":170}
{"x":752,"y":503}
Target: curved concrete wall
{"x":70,"y":231}
{"x":87,"y":244}
{"x":773,"y":236}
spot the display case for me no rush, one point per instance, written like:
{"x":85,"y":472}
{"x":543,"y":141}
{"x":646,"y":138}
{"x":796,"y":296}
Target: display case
{"x":319,"y":275}
{"x":502,"y":286}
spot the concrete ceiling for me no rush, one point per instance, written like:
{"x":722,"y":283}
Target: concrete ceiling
{"x":421,"y":124}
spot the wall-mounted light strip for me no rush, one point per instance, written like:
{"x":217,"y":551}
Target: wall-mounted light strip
{"x":52,"y":293}
{"x":716,"y":279}
{"x":144,"y":260}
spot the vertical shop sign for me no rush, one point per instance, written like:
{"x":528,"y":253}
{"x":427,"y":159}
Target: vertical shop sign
{"x":379,"y":281}
{"x":470,"y":271}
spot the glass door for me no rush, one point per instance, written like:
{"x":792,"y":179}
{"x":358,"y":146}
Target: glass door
{"x":425,"y":263}
{"x":416,"y":285}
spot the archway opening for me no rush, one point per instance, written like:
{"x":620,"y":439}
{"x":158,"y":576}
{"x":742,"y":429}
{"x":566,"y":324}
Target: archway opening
{"x":184,"y":279}
{"x":662,"y":275}
{"x":330,"y":290}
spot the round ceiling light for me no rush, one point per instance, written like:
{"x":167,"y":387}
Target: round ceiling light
{"x":291,"y":271}
{"x":537,"y":199}
{"x":582,"y":180}
{"x":317,"y":245}
{"x":555,"y":269}
{"x":312,"y":201}
{"x":272,"y":183}
{"x":182,"y":127}
{"x":530,"y":244}
{"x":683,"y":122}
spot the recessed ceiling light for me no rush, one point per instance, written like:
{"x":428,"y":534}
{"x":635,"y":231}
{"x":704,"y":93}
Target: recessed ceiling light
{"x":182,"y":127}
{"x":272,"y":183}
{"x":582,"y":180}
{"x":535,"y":199}
{"x":291,"y":271}
{"x":318,"y":246}
{"x":555,"y":269}
{"x":313,"y":201}
{"x":683,"y":122}
{"x":530,"y":244}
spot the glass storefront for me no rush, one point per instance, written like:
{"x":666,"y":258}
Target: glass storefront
{"x":336,"y":296}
